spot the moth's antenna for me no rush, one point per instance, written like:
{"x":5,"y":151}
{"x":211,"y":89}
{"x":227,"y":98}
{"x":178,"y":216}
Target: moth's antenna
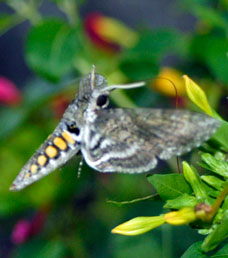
{"x":125,"y":86}
{"x":80,"y":167}
{"x":92,"y":78}
{"x":174,"y":86}
{"x":176,"y":93}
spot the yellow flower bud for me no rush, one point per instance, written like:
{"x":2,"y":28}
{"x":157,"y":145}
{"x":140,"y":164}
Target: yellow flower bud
{"x":139,"y":225}
{"x":183,"y":216}
{"x":163,"y":84}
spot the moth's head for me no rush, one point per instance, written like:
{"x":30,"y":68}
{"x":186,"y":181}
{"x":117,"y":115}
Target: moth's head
{"x":94,"y":90}
{"x":100,"y":90}
{"x":90,"y":83}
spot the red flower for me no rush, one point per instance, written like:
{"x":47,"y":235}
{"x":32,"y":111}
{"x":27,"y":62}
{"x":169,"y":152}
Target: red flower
{"x":107,"y":33}
{"x":9,"y":94}
{"x":93,"y":25}
{"x":59,"y":105}
{"x":38,"y":221}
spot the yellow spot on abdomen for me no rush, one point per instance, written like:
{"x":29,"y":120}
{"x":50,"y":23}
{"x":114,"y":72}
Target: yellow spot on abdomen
{"x":51,"y":151}
{"x":33,"y":168}
{"x":68,"y":138}
{"x":60,"y":143}
{"x":41,"y":160}
{"x":27,"y":175}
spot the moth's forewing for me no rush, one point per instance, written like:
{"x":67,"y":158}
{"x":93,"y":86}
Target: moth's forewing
{"x":131,"y":140}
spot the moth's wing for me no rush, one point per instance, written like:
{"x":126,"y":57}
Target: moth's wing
{"x":54,"y":152}
{"x":131,"y":140}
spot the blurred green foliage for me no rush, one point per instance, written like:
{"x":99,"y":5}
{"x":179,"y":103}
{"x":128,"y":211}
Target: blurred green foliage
{"x":79,"y":219}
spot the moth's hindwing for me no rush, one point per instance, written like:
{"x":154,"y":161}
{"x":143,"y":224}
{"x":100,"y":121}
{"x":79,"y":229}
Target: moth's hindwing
{"x":131,"y":140}
{"x":54,"y":152}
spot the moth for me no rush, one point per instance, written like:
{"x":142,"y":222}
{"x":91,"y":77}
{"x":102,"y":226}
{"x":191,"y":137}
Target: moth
{"x":115,"y":139}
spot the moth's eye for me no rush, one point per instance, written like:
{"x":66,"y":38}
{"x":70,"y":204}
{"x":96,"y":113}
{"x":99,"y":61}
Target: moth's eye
{"x":102,"y":100}
{"x":74,"y":129}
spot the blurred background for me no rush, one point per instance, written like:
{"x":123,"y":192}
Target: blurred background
{"x":44,"y":45}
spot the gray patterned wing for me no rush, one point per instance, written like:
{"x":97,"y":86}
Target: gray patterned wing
{"x":131,"y":140}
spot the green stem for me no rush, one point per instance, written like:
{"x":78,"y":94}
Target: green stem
{"x":69,"y":7}
{"x":28,"y":10}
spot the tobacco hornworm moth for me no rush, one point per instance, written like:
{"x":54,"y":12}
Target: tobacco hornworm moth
{"x":115,"y":139}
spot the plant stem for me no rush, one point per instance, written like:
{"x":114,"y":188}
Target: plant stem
{"x":218,"y":201}
{"x":69,"y":7}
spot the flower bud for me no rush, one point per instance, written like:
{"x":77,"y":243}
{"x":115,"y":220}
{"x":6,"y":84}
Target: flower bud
{"x":138,"y":225}
{"x":183,"y":216}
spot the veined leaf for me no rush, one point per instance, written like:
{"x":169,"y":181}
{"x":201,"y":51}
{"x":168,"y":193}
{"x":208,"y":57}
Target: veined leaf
{"x":170,"y":186}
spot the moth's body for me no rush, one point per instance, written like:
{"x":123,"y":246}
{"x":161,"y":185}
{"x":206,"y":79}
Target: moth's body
{"x":116,"y":139}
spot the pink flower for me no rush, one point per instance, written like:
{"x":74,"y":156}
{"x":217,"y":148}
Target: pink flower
{"x":21,"y":232}
{"x":25,"y":228}
{"x":9,"y":94}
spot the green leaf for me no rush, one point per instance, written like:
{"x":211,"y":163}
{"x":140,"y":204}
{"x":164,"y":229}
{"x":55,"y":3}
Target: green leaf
{"x":221,"y":135}
{"x":51,"y":47}
{"x":220,"y":155}
{"x":213,"y":181}
{"x":184,"y":200}
{"x":12,"y":204}
{"x":220,"y":167}
{"x":194,"y":251}
{"x":222,"y":252}
{"x":157,"y":42}
{"x":211,"y":192}
{"x":219,"y":234}
{"x":210,"y":16}
{"x":214,"y":54}
{"x":137,"y":66}
{"x":141,"y":61}
{"x":170,"y":186}
{"x":225,"y":204}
